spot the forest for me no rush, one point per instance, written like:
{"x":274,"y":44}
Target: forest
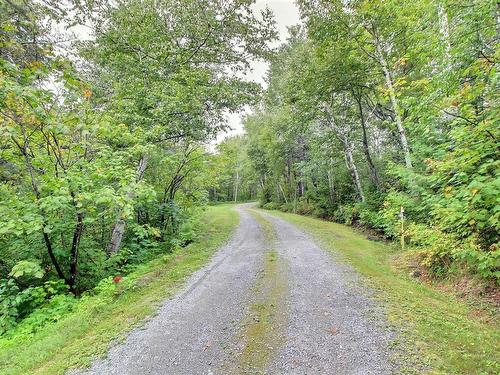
{"x":378,"y":114}
{"x":381,"y":111}
{"x":103,"y":142}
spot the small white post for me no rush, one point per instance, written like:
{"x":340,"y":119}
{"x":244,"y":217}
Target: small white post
{"x":402,"y":219}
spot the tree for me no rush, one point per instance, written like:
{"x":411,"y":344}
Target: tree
{"x":179,"y":65}
{"x":374,"y":105}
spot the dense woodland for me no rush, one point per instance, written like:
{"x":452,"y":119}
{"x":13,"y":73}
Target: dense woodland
{"x":104,"y":160}
{"x":378,"y":107}
{"x":106,"y":141}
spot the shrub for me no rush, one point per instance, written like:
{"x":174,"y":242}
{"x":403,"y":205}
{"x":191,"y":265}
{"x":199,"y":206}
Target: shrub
{"x":55,"y":308}
{"x":270,"y":206}
{"x":303,"y":207}
{"x":320,"y":212}
{"x":287,"y":207}
{"x":17,"y":303}
{"x":346,"y":214}
{"x":371,"y":219}
{"x":439,"y":250}
{"x":390,"y":221}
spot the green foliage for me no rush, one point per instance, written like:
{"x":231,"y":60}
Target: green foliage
{"x":368,"y":112}
{"x":270,"y":206}
{"x":26,"y":269}
{"x":104,"y":163}
{"x":18,"y":303}
{"x":441,"y":252}
{"x":56,"y":308}
{"x":234,"y":179}
{"x":73,"y":331}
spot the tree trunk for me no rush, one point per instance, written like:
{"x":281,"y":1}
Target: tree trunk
{"x":351,"y":165}
{"x":343,"y":137}
{"x":120,"y":224}
{"x":331,"y":187}
{"x":73,"y":267}
{"x":444,"y":29}
{"x":27,"y":159}
{"x":395,"y":105}
{"x":283,"y":193}
{"x":366,"y":149}
{"x":301,"y":188}
{"x":497,"y":19}
{"x":236,"y":186}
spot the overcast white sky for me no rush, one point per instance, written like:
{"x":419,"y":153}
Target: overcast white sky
{"x":286,"y":14}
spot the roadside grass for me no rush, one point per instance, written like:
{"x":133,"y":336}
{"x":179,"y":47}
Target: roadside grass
{"x":102,"y":318}
{"x":450,"y":337}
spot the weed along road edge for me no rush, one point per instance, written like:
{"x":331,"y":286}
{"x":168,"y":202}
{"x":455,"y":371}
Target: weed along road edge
{"x":270,"y":301}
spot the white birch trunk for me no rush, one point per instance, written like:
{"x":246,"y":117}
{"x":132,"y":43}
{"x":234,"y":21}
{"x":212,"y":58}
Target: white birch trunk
{"x":331,"y":188}
{"x":444,"y":29}
{"x":395,"y":105}
{"x":120,"y":223}
{"x":236,"y":186}
{"x":351,"y":165}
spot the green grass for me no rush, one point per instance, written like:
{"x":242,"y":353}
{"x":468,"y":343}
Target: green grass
{"x":451,"y":337}
{"x":98,"y":320}
{"x":264,"y":326}
{"x":265,"y":323}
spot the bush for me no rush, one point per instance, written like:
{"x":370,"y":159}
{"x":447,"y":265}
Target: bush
{"x":303,"y":207}
{"x":55,"y":308}
{"x":390,"y":221}
{"x":346,"y":214}
{"x":320,"y":212}
{"x":17,"y":303}
{"x":439,"y":250}
{"x":371,"y":219}
{"x":287,"y":207}
{"x":270,"y":206}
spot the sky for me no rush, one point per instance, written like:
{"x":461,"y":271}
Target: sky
{"x":286,"y":13}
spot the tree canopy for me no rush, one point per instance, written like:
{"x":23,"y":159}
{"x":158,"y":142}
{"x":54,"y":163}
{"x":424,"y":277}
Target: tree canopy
{"x":378,"y":107}
{"x":103,"y":141}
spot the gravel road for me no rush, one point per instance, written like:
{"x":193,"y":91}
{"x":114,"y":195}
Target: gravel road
{"x":332,"y":326}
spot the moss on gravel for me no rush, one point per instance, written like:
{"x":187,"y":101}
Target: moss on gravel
{"x":264,"y":325}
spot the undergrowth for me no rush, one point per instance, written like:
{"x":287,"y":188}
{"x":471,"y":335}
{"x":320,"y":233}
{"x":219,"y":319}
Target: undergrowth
{"x":113,"y":308}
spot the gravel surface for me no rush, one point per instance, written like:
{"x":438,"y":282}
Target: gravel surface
{"x":331,"y":326}
{"x":190,"y":333}
{"x":334,"y":327}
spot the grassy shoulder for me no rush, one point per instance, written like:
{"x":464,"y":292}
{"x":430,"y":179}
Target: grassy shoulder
{"x":116,"y":308}
{"x":451,"y":337}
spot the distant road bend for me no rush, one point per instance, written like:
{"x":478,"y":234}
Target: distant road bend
{"x":270,"y":302}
